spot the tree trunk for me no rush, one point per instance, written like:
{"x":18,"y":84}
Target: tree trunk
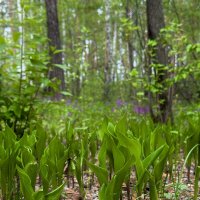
{"x":56,"y":74}
{"x":129,"y":16}
{"x":159,"y":58}
{"x":108,"y":53}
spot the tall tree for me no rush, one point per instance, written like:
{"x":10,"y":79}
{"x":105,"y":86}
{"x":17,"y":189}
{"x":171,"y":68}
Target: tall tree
{"x":108,"y":54}
{"x":159,"y":59}
{"x":56,"y":74}
{"x":129,"y":16}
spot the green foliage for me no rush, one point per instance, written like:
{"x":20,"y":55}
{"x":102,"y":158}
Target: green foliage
{"x":45,"y":141}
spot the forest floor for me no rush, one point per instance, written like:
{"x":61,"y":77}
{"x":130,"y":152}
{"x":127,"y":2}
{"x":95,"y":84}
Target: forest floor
{"x":185,"y":190}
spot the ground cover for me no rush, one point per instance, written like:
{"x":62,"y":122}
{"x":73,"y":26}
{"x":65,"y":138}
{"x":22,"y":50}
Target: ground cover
{"x":101,"y":153}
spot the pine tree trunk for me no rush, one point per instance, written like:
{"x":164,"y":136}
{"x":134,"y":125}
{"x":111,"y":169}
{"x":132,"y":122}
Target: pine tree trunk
{"x":155,"y":22}
{"x":56,"y":74}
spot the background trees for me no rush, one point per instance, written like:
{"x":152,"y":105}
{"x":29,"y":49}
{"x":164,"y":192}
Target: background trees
{"x":102,"y":49}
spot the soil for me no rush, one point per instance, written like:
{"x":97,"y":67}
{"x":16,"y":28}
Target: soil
{"x":185,"y":191}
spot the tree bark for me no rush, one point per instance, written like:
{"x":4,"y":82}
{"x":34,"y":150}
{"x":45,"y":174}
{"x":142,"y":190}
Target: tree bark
{"x":108,"y":53}
{"x":129,"y":16}
{"x":130,"y":42}
{"x":159,"y":58}
{"x":56,"y":74}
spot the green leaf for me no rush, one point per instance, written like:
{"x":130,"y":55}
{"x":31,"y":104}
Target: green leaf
{"x":102,"y":154}
{"x":46,"y":177}
{"x":110,"y":189}
{"x":55,"y":194}
{"x":121,"y":176}
{"x":152,"y":43}
{"x":78,"y":173}
{"x":153,"y":189}
{"x":118,"y":156}
{"x":2,"y":43}
{"x":16,"y":36}
{"x":39,"y":195}
{"x":41,"y":141}
{"x":28,"y":141}
{"x":140,"y":94}
{"x":132,"y":144}
{"x":122,"y":125}
{"x":66,"y":93}
{"x":37,"y":62}
{"x":160,"y":164}
{"x":111,"y":128}
{"x":26,"y":155}
{"x":31,"y":170}
{"x":101,"y":173}
{"x":147,"y":162}
{"x":10,"y":138}
{"x":58,"y":51}
{"x":134,"y":73}
{"x":25,"y":184}
{"x":102,"y":192}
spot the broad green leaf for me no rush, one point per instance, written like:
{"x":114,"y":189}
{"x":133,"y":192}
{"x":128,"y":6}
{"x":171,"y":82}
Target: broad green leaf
{"x":101,"y":173}
{"x":102,"y":154}
{"x":102,"y":192}
{"x":39,"y":195}
{"x":66,"y":93}
{"x":111,"y":128}
{"x":103,"y":128}
{"x":160,"y":164}
{"x":41,"y":141}
{"x":28,"y":141}
{"x":118,"y":156}
{"x":122,"y":125}
{"x":110,"y":193}
{"x":16,"y":109}
{"x":147,"y":162}
{"x":55,"y":194}
{"x":31,"y":170}
{"x":25,"y":184}
{"x":10,"y":138}
{"x":26,"y":156}
{"x":152,"y":157}
{"x":131,"y":144}
{"x":55,"y":149}
{"x":46,"y":177}
{"x":121,"y":176}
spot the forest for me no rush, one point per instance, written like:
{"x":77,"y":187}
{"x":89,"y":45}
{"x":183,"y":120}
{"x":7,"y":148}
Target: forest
{"x":99,"y":99}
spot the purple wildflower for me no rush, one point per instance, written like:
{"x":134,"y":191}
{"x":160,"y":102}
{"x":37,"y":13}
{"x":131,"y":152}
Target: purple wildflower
{"x":119,"y":103}
{"x":69,"y":102}
{"x":142,"y":110}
